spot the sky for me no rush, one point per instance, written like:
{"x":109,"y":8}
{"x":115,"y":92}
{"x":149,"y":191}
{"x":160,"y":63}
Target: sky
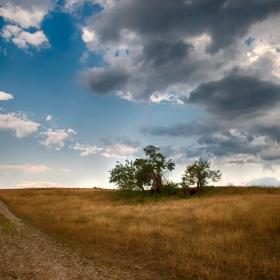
{"x":87,"y":83}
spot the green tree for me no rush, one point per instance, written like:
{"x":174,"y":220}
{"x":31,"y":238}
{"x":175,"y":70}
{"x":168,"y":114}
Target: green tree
{"x":143,"y":172}
{"x":199,"y":174}
{"x":124,"y":176}
{"x":154,"y":168}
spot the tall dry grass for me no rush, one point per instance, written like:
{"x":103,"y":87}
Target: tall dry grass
{"x":230,"y":234}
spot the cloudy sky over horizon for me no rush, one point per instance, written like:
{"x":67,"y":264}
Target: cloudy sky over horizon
{"x":86,"y":83}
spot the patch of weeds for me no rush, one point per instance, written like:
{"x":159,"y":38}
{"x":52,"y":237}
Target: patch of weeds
{"x":5,"y":223}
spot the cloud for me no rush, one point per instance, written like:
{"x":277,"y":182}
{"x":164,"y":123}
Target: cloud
{"x":29,"y":168}
{"x":6,"y":170}
{"x":23,"y":39}
{"x":170,"y":49}
{"x":49,"y":117}
{"x":159,"y":97}
{"x":265,"y":182}
{"x":5,"y":96}
{"x":121,"y":147}
{"x":64,"y":169}
{"x":71,"y":6}
{"x":56,"y":138}
{"x":84,"y":57}
{"x":228,"y":141}
{"x":21,"y":16}
{"x":71,"y":131}
{"x":25,"y":14}
{"x":4,"y":51}
{"x":19,"y":123}
{"x":40,"y":184}
{"x":236,"y":96}
{"x":195,"y":128}
{"x":86,"y":150}
{"x":87,"y":35}
{"x":161,"y":18}
{"x":102,"y":80}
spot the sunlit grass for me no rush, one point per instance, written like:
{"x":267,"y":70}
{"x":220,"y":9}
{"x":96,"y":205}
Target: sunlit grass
{"x":224,"y":233}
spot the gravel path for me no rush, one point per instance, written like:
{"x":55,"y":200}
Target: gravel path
{"x":27,"y":253}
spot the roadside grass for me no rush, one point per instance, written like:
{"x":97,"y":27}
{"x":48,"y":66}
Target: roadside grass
{"x":222,"y":233}
{"x":5,"y":223}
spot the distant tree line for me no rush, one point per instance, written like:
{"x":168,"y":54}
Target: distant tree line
{"x":151,"y":173}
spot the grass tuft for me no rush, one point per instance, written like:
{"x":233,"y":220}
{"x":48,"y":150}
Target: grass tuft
{"x":5,"y":223}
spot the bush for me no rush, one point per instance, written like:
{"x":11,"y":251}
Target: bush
{"x":170,"y":188}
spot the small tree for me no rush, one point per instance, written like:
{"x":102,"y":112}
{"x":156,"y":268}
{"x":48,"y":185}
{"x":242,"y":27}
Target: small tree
{"x":143,"y":171}
{"x":124,"y":175}
{"x":200,"y":174}
{"x":154,"y":167}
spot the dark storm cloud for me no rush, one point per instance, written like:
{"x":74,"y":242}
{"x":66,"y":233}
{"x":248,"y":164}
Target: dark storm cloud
{"x":160,"y":53}
{"x":236,"y":96}
{"x":104,"y":80}
{"x":261,"y":69}
{"x":213,"y":138}
{"x":228,"y":146}
{"x":196,"y":127}
{"x":232,"y":104}
{"x":270,"y":157}
{"x":169,"y":55}
{"x":162,"y":28}
{"x":271,"y":131}
{"x":224,"y":20}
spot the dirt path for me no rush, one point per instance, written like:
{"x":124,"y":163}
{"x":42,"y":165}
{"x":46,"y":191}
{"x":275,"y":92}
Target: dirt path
{"x":27,"y":253}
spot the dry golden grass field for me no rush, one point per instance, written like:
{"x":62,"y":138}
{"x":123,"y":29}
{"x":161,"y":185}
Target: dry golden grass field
{"x":224,"y":233}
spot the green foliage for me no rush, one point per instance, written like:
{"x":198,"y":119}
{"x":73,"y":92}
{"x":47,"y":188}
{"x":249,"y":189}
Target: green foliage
{"x":170,"y":188}
{"x":143,"y":172}
{"x":123,"y":175}
{"x":199,"y":174}
{"x":155,"y":168}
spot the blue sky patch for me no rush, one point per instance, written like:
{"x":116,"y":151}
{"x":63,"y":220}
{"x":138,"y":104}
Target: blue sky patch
{"x":249,"y":41}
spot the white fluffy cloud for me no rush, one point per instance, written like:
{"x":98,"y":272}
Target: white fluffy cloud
{"x":56,"y":138}
{"x":19,"y":123}
{"x":120,"y":151}
{"x":87,"y":35}
{"x":49,"y":117}
{"x":25,"y":14}
{"x":71,"y":131}
{"x":86,"y":150}
{"x":4,"y":96}
{"x":23,"y":39}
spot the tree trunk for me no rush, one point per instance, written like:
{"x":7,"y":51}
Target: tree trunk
{"x":158,"y":183}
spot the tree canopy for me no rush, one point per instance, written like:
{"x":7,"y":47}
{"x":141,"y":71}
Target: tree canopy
{"x":199,"y":174}
{"x":143,"y":172}
{"x":152,"y":173}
